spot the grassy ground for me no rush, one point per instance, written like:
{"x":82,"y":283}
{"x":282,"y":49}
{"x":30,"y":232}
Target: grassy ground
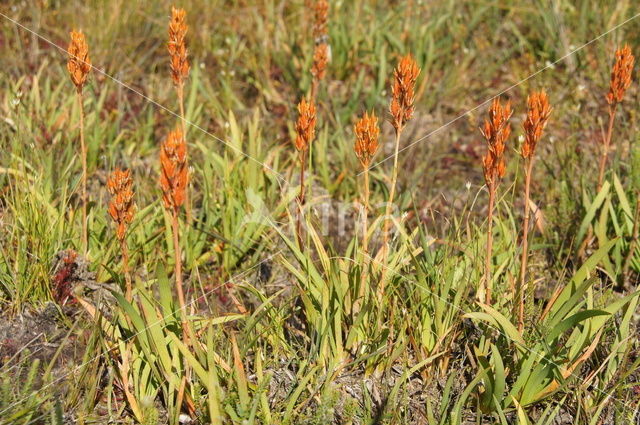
{"x":285,"y":332}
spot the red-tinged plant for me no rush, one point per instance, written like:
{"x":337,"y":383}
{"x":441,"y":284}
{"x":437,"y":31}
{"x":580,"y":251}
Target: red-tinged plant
{"x":174,"y":179}
{"x":305,"y":133}
{"x":121,"y":210}
{"x":321,"y":53}
{"x":402,"y":107}
{"x":538,"y":113}
{"x":620,"y":82}
{"x":79,"y":66}
{"x":496,"y":130}
{"x":366,"y":146}
{"x":179,"y":61}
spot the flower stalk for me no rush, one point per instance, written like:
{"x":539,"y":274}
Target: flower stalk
{"x":538,"y":114}
{"x":79,"y":66}
{"x":121,"y":210}
{"x":179,"y":64}
{"x":305,"y":133}
{"x":366,"y":146}
{"x":496,"y":130}
{"x":402,"y":107}
{"x":174,"y":179}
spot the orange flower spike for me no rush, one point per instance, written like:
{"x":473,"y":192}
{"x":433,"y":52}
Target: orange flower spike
{"x":306,"y":124}
{"x":174,"y":173}
{"x":496,"y":130}
{"x":620,"y":75}
{"x":403,"y":91}
{"x":79,"y":64}
{"x":321,"y":17}
{"x":367,"y":132}
{"x":538,"y":113}
{"x":121,"y":207}
{"x":320,"y":59}
{"x":177,"y":46}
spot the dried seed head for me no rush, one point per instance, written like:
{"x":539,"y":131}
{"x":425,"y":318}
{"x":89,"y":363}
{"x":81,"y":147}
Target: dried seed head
{"x":79,"y":63}
{"x":403,"y":91}
{"x":177,"y":46}
{"x":173,"y":174}
{"x":321,"y":17}
{"x":121,"y":207}
{"x":367,"y":132}
{"x":538,"y":112}
{"x":320,"y":59}
{"x":496,"y":130}
{"x":620,"y":75}
{"x":306,"y":124}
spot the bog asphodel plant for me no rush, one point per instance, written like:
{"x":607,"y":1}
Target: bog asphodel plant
{"x":366,"y":146}
{"x":321,"y":52}
{"x":367,"y":132}
{"x":401,"y":108}
{"x":174,"y":178}
{"x":177,"y":46}
{"x":496,"y":130}
{"x":538,"y":113}
{"x":305,"y":133}
{"x":620,"y":82}
{"x":79,"y":66}
{"x":121,"y":210}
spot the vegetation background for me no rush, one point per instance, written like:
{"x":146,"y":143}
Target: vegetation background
{"x":283,"y":333}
